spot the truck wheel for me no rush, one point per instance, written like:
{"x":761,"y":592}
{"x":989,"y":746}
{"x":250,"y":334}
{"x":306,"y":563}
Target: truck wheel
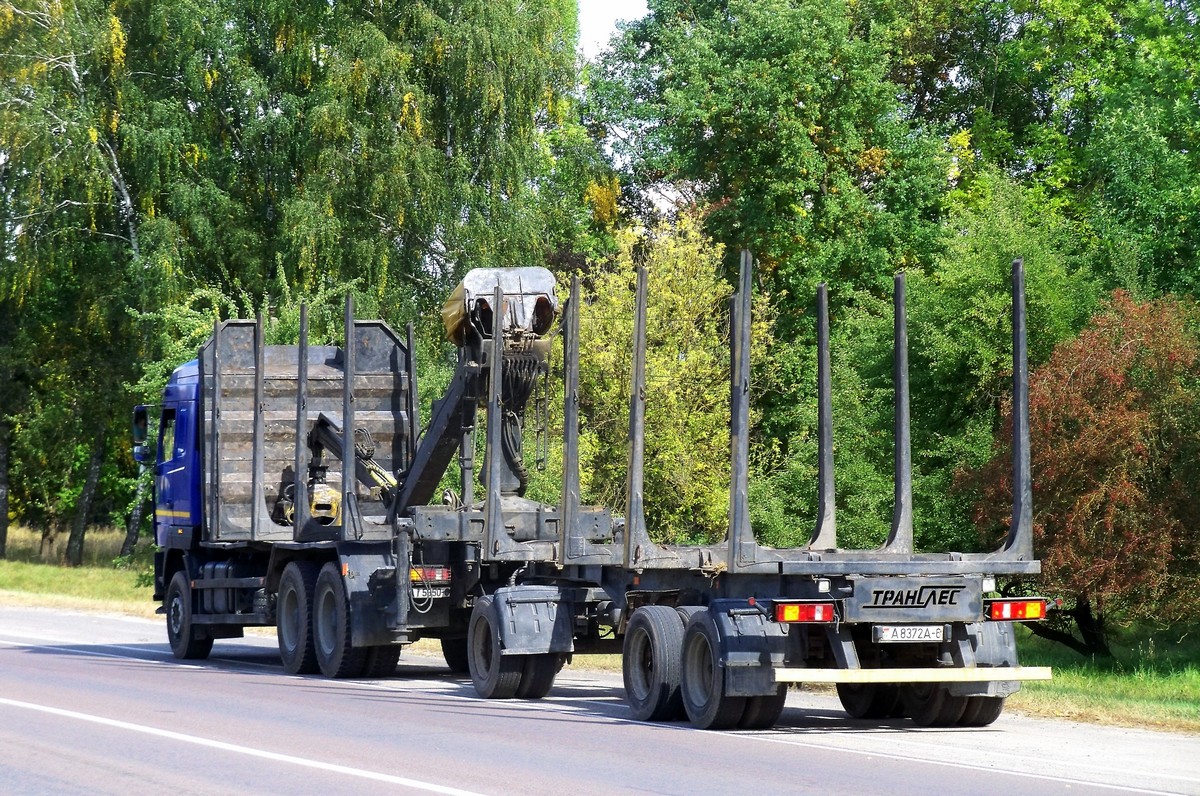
{"x":180,"y":632}
{"x":381,"y":661}
{"x":981,"y":711}
{"x":763,"y":711}
{"x":931,"y":704}
{"x":454,"y":650}
{"x":336,"y":655}
{"x":703,"y":677}
{"x":294,"y":626}
{"x":495,"y":676}
{"x":537,"y":677}
{"x":652,"y":662}
{"x":868,"y":700}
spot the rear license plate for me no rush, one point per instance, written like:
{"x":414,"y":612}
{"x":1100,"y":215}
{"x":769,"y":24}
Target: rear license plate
{"x":886,"y":634}
{"x":425,"y":593}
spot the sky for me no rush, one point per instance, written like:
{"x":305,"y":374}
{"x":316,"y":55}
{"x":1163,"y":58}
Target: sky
{"x":597,"y":21}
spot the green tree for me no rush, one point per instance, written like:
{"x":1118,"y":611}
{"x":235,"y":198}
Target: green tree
{"x":155,"y":154}
{"x":778,"y":121}
{"x":961,"y":336}
{"x":960,"y":354}
{"x":687,"y":382}
{"x":68,"y":235}
{"x":1094,"y":103}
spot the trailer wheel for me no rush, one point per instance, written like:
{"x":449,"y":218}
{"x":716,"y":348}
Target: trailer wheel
{"x":537,"y":676}
{"x":294,"y":626}
{"x":496,"y":676}
{"x":931,"y":704}
{"x":336,"y":655}
{"x":763,"y":711}
{"x":454,"y":650}
{"x":703,"y":680}
{"x":381,"y":661}
{"x":180,"y":631}
{"x":652,"y":663}
{"x":981,"y":711}
{"x":868,"y":700}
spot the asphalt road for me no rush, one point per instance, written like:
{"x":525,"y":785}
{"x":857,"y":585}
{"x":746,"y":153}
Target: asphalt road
{"x":97,"y":705}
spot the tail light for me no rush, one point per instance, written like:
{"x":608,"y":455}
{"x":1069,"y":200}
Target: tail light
{"x":429,"y":574}
{"x":1015,"y":610}
{"x":812,"y":612}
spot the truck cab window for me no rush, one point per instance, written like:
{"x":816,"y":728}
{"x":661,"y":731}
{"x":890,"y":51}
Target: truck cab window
{"x":166,"y":436}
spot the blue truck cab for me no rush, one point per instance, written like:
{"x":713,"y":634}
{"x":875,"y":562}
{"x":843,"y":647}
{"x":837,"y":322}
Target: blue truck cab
{"x":178,"y":503}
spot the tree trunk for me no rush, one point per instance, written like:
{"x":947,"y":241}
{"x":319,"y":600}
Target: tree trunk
{"x":3,"y":491}
{"x":1093,"y":641}
{"x":135,"y":517}
{"x":1051,"y":633}
{"x":84,"y":509}
{"x":1091,"y":628}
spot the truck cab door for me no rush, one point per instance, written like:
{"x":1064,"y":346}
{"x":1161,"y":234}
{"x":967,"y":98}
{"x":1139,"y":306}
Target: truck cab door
{"x":164,"y":483}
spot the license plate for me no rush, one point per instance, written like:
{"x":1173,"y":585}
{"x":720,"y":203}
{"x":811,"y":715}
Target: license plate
{"x":426,"y":593}
{"x":908,"y":633}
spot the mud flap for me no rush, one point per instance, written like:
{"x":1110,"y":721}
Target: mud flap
{"x":994,"y":644}
{"x":752,"y":647}
{"x":534,"y":620}
{"x":363,"y":565}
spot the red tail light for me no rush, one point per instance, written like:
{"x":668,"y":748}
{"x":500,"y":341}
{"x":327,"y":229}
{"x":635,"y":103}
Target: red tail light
{"x":429,"y":574}
{"x":1016,"y":610}
{"x":805,"y":612}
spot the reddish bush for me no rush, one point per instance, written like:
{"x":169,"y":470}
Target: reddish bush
{"x":1115,"y":435}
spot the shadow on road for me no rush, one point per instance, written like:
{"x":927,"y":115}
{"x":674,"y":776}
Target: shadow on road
{"x":423,"y":681}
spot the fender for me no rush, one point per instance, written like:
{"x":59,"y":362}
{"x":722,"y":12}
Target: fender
{"x":752,"y":647}
{"x":535,"y":620}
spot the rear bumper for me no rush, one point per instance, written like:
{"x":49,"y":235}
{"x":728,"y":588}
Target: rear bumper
{"x":939,"y":675}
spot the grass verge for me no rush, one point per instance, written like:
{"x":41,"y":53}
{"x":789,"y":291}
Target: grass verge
{"x":102,"y":589}
{"x":1152,"y":681}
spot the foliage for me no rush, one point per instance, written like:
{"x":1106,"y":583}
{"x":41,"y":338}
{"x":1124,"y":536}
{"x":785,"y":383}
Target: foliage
{"x":687,"y":382}
{"x":1092,"y":103}
{"x":167,"y":165}
{"x":1113,"y":422}
{"x":960,"y":336}
{"x":960,"y":352}
{"x":777,"y":120}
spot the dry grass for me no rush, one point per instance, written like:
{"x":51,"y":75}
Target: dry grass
{"x":101,"y":546}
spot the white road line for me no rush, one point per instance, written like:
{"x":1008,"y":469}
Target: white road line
{"x":243,"y":750}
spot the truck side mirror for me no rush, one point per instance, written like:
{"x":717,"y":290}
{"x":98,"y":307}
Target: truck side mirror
{"x":141,"y":427}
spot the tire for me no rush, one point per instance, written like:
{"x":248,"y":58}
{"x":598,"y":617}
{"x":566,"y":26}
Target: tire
{"x":337,"y":657}
{"x":931,"y":704}
{"x":537,"y":677}
{"x":294,"y":626}
{"x":454,"y":650}
{"x":981,"y":711}
{"x":703,"y":680}
{"x":652,"y":663}
{"x":868,"y":700}
{"x":381,"y":661}
{"x":496,"y":676}
{"x":763,"y":711}
{"x":181,"y":633}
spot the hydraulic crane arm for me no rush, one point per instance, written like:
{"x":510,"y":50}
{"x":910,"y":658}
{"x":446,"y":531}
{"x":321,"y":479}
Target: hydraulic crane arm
{"x":326,"y":437}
